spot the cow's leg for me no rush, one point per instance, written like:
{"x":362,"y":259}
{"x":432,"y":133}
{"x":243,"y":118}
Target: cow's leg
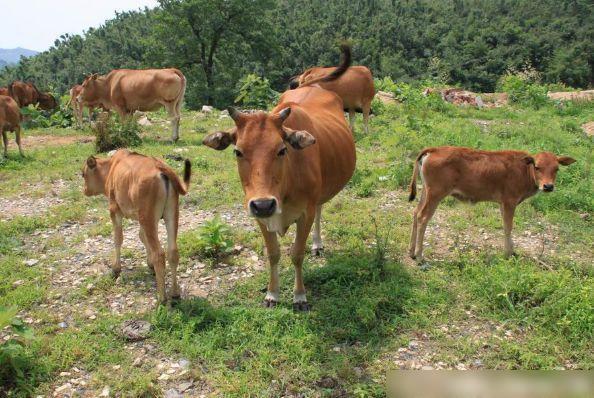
{"x":174,"y":117}
{"x":5,"y":141}
{"x":118,"y":238}
{"x":91,"y":112}
{"x":413,"y":233}
{"x":171,"y":217}
{"x":273,"y":251}
{"x":155,"y":253}
{"x":507,"y":212}
{"x":366,"y":112}
{"x":424,"y":214}
{"x":17,"y":136}
{"x":297,"y":254}
{"x":352,"y":116}
{"x":317,"y":247}
{"x":142,"y":237}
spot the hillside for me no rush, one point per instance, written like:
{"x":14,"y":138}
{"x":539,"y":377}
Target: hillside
{"x":13,"y":55}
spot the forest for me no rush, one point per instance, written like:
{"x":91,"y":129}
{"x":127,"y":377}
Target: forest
{"x":466,"y":43}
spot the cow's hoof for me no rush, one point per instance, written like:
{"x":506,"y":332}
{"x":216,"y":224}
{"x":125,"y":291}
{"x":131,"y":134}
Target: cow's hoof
{"x":301,"y":307}
{"x":269,"y":303}
{"x":317,"y":251}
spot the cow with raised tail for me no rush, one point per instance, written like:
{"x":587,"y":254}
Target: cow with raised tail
{"x":354,"y":86}
{"x":504,"y":177}
{"x":129,"y":90}
{"x":291,"y":161}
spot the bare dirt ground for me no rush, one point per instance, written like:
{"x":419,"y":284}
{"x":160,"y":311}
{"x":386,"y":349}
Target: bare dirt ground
{"x":34,"y":141}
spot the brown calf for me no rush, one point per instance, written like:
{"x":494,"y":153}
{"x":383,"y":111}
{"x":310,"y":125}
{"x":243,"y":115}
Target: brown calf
{"x":505,"y":177}
{"x":10,"y":120}
{"x":145,"y":189}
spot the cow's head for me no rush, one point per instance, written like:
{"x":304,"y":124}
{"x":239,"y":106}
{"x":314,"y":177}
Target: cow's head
{"x":91,"y":88}
{"x":95,"y":173}
{"x":546,"y":165}
{"x":263,"y":147}
{"x":47,"y":102}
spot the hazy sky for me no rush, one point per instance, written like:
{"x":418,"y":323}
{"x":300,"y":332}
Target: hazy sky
{"x":35,"y":24}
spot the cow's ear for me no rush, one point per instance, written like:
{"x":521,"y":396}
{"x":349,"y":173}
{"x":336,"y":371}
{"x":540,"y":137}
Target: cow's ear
{"x":92,"y":162}
{"x":528,"y":159}
{"x":565,"y":160}
{"x":219,"y":140}
{"x":298,"y":139}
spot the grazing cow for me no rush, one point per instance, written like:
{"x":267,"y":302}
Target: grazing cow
{"x":10,"y":120}
{"x":291,"y":161}
{"x":505,"y":177}
{"x":127,"y":90}
{"x":145,"y":189}
{"x":26,"y":94}
{"x":355,"y":88}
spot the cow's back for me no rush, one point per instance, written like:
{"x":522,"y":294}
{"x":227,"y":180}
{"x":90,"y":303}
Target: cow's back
{"x":320,"y":112}
{"x":144,"y":89}
{"x":10,"y":114}
{"x":355,"y":87}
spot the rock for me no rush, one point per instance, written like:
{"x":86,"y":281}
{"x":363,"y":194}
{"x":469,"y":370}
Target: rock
{"x":63,"y":388}
{"x":385,"y":97}
{"x":224,"y":112}
{"x":588,"y":128}
{"x":63,"y":325}
{"x":18,"y":283}
{"x":143,"y":121}
{"x":135,"y":330}
{"x":185,"y":386}
{"x":173,"y":393}
{"x":207,"y":109}
{"x":184,"y":363}
{"x":30,"y":262}
{"x":111,"y":153}
{"x":105,"y":392}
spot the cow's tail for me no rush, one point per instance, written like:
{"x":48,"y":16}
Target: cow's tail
{"x":182,"y":91}
{"x":179,"y":186}
{"x":340,"y":69}
{"x":413,"y":182}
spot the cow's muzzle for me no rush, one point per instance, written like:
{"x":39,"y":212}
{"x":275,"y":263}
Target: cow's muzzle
{"x":262,"y":208}
{"x":548,"y":187}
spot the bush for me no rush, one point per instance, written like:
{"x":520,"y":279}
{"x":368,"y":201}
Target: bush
{"x":523,"y":87}
{"x":111,"y":133}
{"x":35,"y":118}
{"x":255,"y":92}
{"x":15,"y":363}
{"x":212,"y":241}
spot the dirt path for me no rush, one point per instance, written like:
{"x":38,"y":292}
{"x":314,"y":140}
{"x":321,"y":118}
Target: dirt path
{"x":35,"y":141}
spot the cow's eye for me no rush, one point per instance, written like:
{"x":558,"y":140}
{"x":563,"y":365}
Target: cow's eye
{"x":237,"y":153}
{"x":536,"y":168}
{"x":282,"y":152}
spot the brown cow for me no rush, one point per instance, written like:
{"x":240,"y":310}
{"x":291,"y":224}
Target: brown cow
{"x":127,"y":90}
{"x":26,"y":94}
{"x":505,"y":177}
{"x":78,"y":107}
{"x":10,"y":120}
{"x":290,"y":162}
{"x":355,"y":87}
{"x":145,"y":189}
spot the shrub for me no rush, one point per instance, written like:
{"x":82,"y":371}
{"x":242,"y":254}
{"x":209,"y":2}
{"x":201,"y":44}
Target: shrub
{"x":111,"y":133}
{"x":35,"y":118}
{"x":15,"y":363}
{"x":523,"y":87}
{"x":211,"y":241}
{"x":255,"y":92}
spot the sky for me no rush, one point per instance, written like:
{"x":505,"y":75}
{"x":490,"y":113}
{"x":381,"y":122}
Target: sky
{"x":36,"y":24}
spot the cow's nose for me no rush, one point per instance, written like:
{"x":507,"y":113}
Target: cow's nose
{"x":548,"y":187}
{"x":262,"y":207}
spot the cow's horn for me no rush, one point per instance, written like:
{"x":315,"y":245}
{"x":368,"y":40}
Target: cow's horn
{"x":284,"y":114}
{"x":234,"y":113}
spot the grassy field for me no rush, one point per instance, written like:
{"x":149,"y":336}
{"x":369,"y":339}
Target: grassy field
{"x":373,"y":309}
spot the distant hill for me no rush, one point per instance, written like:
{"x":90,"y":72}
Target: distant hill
{"x":13,"y":55}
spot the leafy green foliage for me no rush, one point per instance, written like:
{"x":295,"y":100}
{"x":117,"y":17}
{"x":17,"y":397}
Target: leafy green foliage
{"x":15,"y":362}
{"x":211,"y":241}
{"x":112,"y":133}
{"x":255,"y":92}
{"x":523,"y":87}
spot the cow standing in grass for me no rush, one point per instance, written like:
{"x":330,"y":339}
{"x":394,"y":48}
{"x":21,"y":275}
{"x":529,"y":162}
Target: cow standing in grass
{"x":127,"y":91}
{"x":355,"y":87}
{"x":10,"y":120}
{"x":291,"y":161}
{"x":145,"y":189}
{"x":505,"y":177}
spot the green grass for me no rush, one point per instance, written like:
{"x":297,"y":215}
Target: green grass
{"x":364,"y":308}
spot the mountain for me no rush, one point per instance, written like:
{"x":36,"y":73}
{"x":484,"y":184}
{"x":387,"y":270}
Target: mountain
{"x":13,"y":55}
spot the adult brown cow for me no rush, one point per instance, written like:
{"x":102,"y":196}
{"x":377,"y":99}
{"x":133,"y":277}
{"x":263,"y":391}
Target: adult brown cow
{"x":10,"y":120}
{"x":26,"y":94}
{"x":128,"y":90}
{"x":145,"y":189}
{"x":505,"y":177}
{"x":291,"y":161}
{"x":355,"y":87}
